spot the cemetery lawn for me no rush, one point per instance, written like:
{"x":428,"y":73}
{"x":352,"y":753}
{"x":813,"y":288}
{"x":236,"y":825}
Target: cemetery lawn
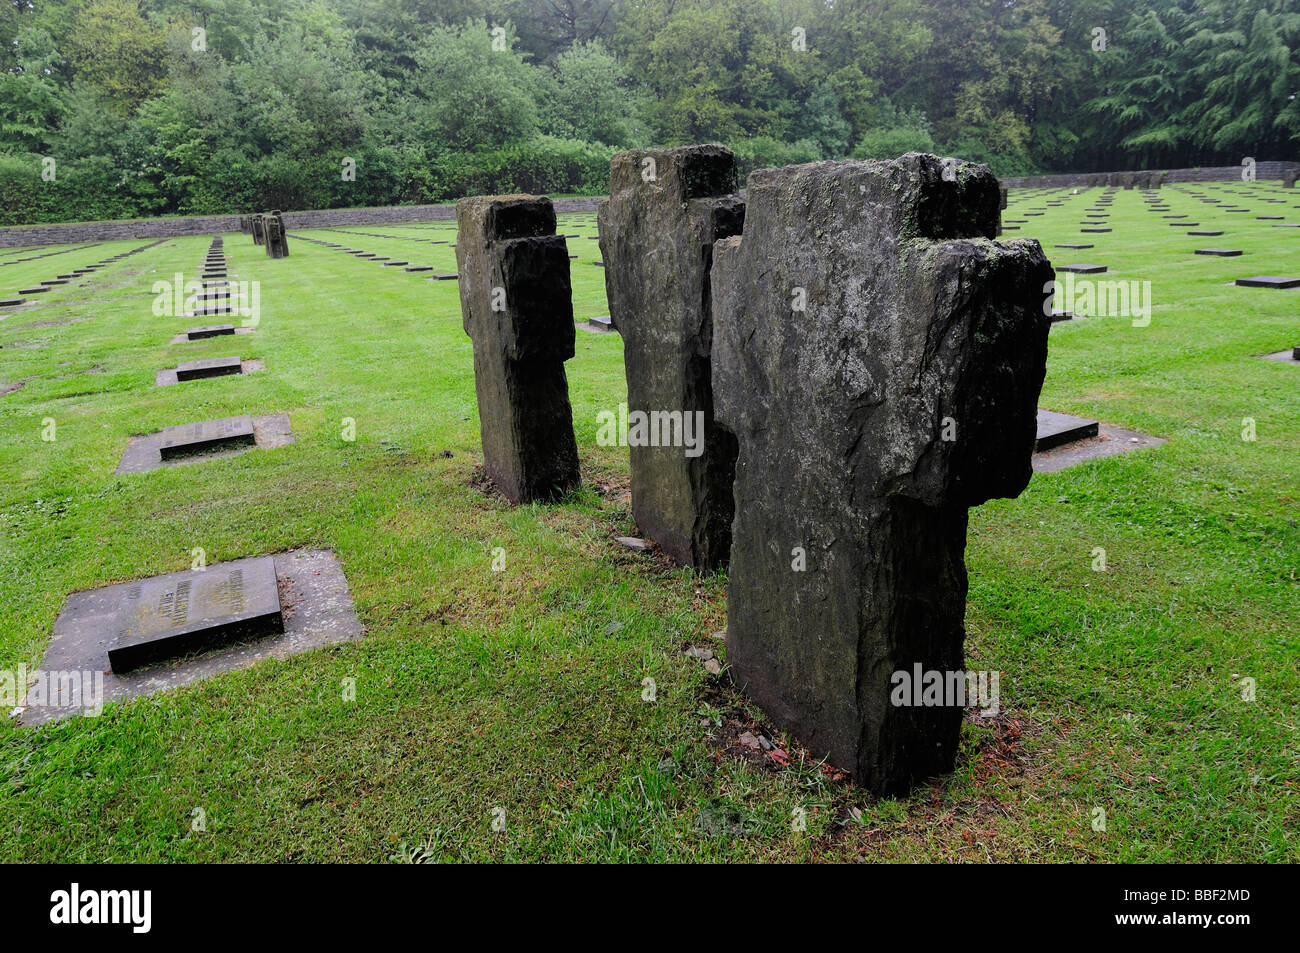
{"x":522,"y":690}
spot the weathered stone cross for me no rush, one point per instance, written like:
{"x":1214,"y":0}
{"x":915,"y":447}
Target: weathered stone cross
{"x":879,"y":361}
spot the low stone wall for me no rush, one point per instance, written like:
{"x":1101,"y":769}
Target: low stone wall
{"x":1222,"y":173}
{"x":20,"y":235}
{"x":15,"y":236}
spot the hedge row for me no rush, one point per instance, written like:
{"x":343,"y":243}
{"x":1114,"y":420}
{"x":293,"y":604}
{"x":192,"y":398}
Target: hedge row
{"x":93,"y":190}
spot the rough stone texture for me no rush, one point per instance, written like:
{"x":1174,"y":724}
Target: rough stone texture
{"x":259,"y":229}
{"x":509,"y":254}
{"x":656,"y":239}
{"x":913,"y":317}
{"x":277,"y":241}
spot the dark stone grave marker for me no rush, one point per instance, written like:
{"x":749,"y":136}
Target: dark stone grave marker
{"x":277,"y":240}
{"x":1268,"y":281}
{"x":916,"y":324}
{"x":656,"y":239}
{"x":1219,"y":252}
{"x":1056,"y":429}
{"x":193,"y":438}
{"x":177,"y":615}
{"x":210,"y":331}
{"x":517,"y":307}
{"x":212,"y":367}
{"x":1082,"y":269}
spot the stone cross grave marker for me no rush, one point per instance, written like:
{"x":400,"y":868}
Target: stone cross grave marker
{"x":667,"y":208}
{"x":879,"y":358}
{"x":516,"y":304}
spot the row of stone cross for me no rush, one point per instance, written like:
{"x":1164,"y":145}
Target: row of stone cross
{"x":862,"y":361}
{"x":267,"y":229}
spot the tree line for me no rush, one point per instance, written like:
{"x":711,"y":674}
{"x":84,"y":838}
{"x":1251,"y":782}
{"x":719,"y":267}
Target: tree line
{"x":120,"y":108}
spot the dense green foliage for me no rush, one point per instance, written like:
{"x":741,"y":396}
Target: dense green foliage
{"x":186,"y":106}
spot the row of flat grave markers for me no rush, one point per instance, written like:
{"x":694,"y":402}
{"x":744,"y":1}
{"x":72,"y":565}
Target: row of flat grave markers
{"x":49,"y":254}
{"x":732,"y":366}
{"x":233,"y":608}
{"x":1095,"y":222}
{"x":51,"y":283}
{"x":213,"y":300}
{"x":387,"y":262}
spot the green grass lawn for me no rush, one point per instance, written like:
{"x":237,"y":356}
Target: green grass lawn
{"x":521,"y":691}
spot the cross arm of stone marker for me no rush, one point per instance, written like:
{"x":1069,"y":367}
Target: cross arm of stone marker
{"x":904,"y":393}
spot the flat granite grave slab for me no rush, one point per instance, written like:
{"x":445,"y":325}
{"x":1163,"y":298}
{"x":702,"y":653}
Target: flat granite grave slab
{"x":167,"y":375}
{"x":1219,"y":252}
{"x":184,"y":445}
{"x":189,"y":439}
{"x":1206,"y":232}
{"x":316,"y":609}
{"x":1267,"y":281}
{"x":1056,"y":429}
{"x":1082,"y":269}
{"x":1078,"y":246}
{"x":209,"y":367}
{"x":1108,"y":442}
{"x":11,"y":302}
{"x":1094,"y":231}
{"x":419,"y":268}
{"x":172,"y":616}
{"x":33,"y":291}
{"x":209,"y":331}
